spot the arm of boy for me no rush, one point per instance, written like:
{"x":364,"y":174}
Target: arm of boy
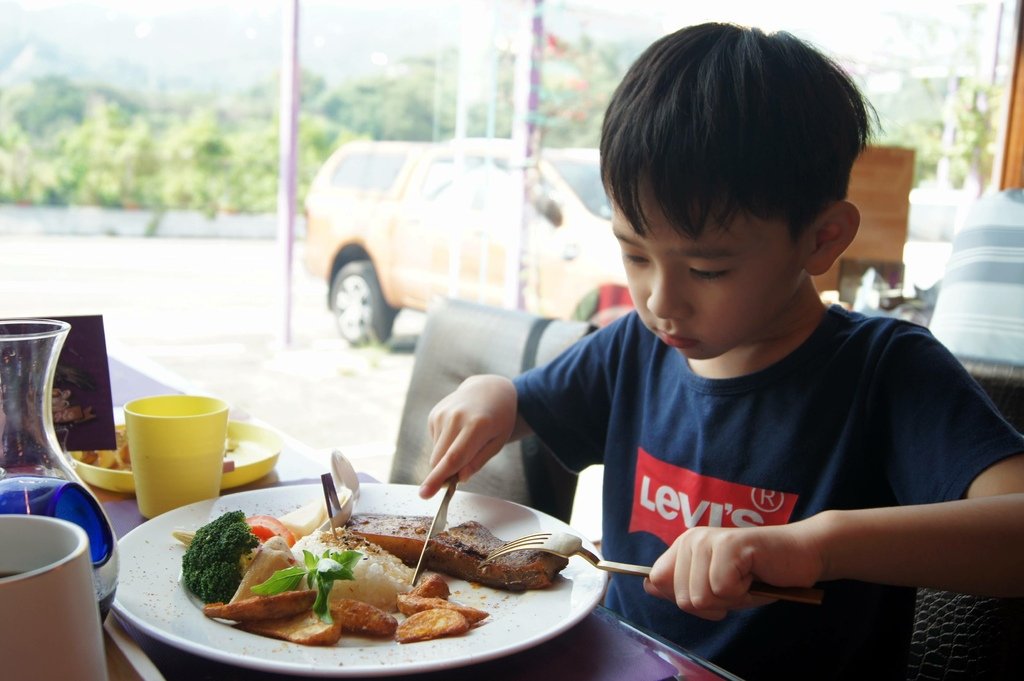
{"x":469,"y":426}
{"x":973,"y":545}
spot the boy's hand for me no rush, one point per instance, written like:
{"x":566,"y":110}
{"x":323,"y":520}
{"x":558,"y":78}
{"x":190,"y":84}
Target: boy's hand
{"x":707,"y":571}
{"x":468,"y":427}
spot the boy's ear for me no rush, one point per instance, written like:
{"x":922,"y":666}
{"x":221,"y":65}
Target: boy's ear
{"x":830,"y":235}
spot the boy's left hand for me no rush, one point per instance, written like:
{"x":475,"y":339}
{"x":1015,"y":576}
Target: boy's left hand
{"x":707,"y":571}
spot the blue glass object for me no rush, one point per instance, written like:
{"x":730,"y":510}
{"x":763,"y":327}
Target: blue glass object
{"x":36,"y":476}
{"x":62,"y":499}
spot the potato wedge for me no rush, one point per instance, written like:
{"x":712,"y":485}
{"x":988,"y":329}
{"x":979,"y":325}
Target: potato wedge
{"x":305,"y":629}
{"x":430,"y":624}
{"x":263,"y":607}
{"x":432,"y":585}
{"x":409,"y":605}
{"x":363,"y":619}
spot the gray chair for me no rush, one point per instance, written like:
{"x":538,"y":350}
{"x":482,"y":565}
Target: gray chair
{"x":958,"y":636}
{"x":462,"y":339}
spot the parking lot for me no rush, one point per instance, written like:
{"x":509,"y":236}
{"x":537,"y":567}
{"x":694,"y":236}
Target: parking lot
{"x":213,"y":311}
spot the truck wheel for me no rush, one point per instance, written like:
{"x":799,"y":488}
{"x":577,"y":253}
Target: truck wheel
{"x":360,"y":311}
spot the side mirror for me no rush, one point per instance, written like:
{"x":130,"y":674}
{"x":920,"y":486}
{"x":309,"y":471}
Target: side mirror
{"x":549,"y":208}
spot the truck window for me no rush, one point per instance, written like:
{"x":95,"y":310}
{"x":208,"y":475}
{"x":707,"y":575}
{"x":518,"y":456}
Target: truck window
{"x":585,"y":179}
{"x":368,"y":171}
{"x":440,"y":174}
{"x":487,"y":187}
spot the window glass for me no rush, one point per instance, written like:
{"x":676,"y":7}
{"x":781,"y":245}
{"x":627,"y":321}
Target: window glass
{"x":493,"y":188}
{"x":440,"y":175}
{"x":368,"y":171}
{"x":584,"y":177}
{"x":437,"y":177}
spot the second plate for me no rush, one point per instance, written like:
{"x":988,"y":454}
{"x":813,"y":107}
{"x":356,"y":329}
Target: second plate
{"x":253,"y":449}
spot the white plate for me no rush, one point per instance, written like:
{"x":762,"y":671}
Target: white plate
{"x":150,"y":596}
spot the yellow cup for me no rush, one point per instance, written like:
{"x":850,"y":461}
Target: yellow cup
{"x":177,"y":449}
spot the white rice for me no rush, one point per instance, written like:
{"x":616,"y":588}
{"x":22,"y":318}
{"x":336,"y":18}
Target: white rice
{"x":379,"y":576}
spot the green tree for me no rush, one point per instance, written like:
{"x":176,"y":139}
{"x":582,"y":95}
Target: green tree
{"x":108,"y":160}
{"x":939,"y":100}
{"x":47,"y":105}
{"x":974,"y":147}
{"x":251,"y":169}
{"x":578,"y":83}
{"x":15,"y":162}
{"x":196,"y":156}
{"x":398,"y":105}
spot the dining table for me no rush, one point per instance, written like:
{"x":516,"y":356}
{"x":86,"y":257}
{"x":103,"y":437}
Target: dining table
{"x":602,"y":647}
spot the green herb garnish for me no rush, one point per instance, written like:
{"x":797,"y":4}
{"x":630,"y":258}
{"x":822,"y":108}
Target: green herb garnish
{"x":320,"y":574}
{"x":281,"y":581}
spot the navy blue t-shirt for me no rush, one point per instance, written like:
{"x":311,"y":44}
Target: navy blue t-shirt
{"x":868,"y":412}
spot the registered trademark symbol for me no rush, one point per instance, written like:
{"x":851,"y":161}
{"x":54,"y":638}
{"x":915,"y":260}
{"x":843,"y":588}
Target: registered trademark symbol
{"x":766,"y":500}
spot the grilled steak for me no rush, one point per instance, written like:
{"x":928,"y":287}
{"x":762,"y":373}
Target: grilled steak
{"x":458,"y":551}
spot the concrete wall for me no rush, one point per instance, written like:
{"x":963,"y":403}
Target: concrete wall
{"x":92,"y":221}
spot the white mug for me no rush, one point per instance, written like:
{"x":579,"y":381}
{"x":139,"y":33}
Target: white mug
{"x":49,"y":619}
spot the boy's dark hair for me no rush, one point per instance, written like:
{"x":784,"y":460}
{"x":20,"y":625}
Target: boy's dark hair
{"x":716,"y":118}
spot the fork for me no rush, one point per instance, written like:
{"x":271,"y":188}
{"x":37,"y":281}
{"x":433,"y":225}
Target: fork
{"x":566,"y":545}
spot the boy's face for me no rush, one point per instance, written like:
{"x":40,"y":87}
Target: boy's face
{"x":733,"y":301}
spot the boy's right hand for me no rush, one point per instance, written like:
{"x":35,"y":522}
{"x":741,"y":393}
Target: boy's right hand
{"x":468,"y":427}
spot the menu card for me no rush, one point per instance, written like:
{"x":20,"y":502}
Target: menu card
{"x":83,"y":409}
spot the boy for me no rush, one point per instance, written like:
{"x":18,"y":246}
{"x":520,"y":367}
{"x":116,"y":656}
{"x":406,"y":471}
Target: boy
{"x":748,"y":432}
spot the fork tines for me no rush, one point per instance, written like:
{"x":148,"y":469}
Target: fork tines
{"x":522,"y":543}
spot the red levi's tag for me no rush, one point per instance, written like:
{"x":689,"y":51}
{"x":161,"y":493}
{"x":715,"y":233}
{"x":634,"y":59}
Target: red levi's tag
{"x":668,"y":500}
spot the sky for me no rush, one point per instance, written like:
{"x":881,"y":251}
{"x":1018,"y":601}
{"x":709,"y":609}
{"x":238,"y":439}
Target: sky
{"x":767,"y":13}
{"x":853,"y":30}
{"x":836,"y":22}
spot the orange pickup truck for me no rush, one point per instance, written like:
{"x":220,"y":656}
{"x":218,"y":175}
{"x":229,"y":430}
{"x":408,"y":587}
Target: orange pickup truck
{"x":392,"y":225}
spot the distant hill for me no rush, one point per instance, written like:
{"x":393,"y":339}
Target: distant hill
{"x":224,"y":49}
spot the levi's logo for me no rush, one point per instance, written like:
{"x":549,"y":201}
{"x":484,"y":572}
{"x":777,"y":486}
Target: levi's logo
{"x":668,"y":500}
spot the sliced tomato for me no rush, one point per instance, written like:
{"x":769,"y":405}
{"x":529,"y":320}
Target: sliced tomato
{"x":267,"y":526}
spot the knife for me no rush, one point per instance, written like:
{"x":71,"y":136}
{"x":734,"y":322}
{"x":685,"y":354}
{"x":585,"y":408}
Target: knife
{"x":331,"y":499}
{"x":440,"y":520}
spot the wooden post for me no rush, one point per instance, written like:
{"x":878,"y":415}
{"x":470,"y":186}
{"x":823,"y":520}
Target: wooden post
{"x":1011,"y":167}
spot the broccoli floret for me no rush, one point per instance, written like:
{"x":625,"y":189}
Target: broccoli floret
{"x":212,"y":565}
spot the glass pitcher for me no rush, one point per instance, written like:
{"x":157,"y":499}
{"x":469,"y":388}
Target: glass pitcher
{"x":36,"y":476}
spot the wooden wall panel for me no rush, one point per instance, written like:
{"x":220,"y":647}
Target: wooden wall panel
{"x":880,"y":185}
{"x":1011,"y":169}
